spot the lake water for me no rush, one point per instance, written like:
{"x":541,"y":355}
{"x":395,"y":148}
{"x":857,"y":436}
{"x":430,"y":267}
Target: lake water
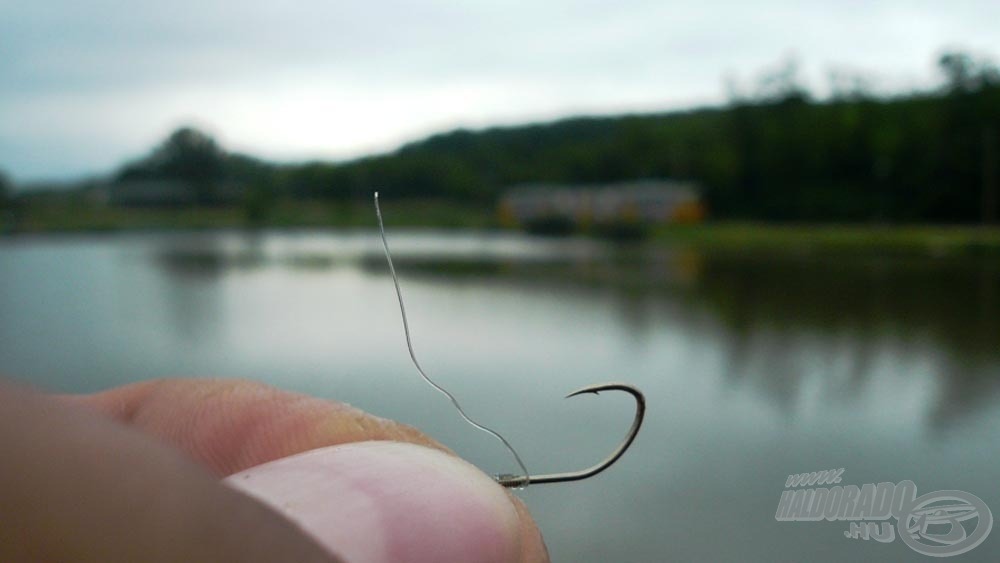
{"x":755,"y":367}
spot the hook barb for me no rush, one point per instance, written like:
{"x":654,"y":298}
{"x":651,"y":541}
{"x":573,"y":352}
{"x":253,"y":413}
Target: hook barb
{"x":517,"y":481}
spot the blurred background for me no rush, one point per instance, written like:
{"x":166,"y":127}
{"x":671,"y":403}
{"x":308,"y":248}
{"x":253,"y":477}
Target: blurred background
{"x":778,"y":219}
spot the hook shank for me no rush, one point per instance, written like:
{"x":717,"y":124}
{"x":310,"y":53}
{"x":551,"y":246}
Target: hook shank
{"x":640,"y":412}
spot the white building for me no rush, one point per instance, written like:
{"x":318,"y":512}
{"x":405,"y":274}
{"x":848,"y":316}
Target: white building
{"x":642,"y":201}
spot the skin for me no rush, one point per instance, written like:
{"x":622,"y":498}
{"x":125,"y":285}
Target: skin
{"x":139,"y":473}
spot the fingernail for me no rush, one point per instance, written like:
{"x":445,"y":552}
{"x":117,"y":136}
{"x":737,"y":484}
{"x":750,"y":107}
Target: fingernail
{"x":375,"y":502}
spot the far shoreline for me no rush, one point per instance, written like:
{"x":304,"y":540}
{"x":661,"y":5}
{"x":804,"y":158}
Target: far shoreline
{"x":721,"y":236}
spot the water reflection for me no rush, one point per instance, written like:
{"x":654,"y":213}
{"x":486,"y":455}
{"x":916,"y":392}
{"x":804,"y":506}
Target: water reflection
{"x":778,"y":319}
{"x":754,"y":366}
{"x":782,"y":315}
{"x":783,"y":319}
{"x":208,"y":256}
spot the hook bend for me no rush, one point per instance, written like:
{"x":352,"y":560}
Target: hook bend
{"x":518,"y":481}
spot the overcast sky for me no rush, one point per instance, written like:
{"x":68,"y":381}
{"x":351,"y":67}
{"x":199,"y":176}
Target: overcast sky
{"x":85,"y":84}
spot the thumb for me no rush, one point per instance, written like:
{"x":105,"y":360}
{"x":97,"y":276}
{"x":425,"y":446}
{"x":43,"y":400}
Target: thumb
{"x":375,"y":502}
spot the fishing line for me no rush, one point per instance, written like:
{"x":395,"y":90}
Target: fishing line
{"x":516,"y":479}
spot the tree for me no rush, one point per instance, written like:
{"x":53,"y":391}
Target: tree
{"x":6,"y":191}
{"x":187,"y":155}
{"x":849,"y":85}
{"x":964,"y":73}
{"x":782,"y":84}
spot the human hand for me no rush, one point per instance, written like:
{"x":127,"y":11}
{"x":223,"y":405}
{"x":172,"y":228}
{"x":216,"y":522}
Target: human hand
{"x":134,"y":474}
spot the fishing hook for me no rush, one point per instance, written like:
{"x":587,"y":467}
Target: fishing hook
{"x":519,"y":481}
{"x":525,"y":479}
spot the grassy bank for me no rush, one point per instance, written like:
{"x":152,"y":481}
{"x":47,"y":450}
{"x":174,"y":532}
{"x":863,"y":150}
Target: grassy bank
{"x":920,"y":239}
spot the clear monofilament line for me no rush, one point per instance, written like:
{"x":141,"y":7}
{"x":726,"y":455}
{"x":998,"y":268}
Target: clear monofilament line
{"x":413,"y":356}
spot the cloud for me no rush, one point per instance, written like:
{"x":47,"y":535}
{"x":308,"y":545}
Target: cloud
{"x":87,"y":84}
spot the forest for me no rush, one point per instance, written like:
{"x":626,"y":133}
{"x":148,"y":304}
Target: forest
{"x":778,"y":155}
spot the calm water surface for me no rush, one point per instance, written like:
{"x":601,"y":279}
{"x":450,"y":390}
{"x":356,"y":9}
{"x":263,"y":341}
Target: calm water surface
{"x":755,"y":367}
